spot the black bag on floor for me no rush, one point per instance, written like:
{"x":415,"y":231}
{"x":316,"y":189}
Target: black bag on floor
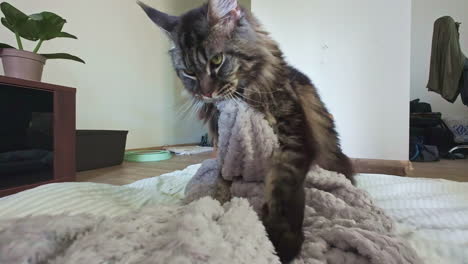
{"x":432,"y":131}
{"x":417,"y":107}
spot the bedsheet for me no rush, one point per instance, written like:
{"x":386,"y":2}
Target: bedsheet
{"x":431,"y":214}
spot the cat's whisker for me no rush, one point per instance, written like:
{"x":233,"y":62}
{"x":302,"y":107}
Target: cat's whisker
{"x":196,"y":108}
{"x":263,"y":94}
{"x":185,"y":103}
{"x":184,"y":107}
{"x":191,"y":109}
{"x":237,"y":101}
{"x":223,"y":89}
{"x":246,"y":98}
{"x":257,"y":91}
{"x":232,"y":97}
{"x":199,"y":107}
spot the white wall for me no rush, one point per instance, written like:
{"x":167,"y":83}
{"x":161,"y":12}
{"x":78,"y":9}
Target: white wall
{"x":425,"y":12}
{"x":358,"y":54}
{"x":128,"y":82}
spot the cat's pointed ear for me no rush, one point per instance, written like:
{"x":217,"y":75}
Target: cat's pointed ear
{"x":164,"y":21}
{"x":228,"y":11}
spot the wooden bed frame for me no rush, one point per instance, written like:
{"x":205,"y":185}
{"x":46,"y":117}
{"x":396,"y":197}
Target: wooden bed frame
{"x":369,"y":166}
{"x":377,"y":166}
{"x":389,"y":167}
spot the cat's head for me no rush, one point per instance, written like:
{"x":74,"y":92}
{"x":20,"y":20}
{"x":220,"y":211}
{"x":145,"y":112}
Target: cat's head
{"x":215,"y":50}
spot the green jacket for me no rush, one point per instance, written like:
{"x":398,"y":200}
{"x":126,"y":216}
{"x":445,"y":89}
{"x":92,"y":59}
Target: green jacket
{"x":447,"y":59}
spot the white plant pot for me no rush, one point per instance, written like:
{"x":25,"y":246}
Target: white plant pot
{"x":22,"y":64}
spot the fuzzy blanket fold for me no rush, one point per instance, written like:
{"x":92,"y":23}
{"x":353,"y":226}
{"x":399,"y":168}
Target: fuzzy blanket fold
{"x":341,"y":223}
{"x":202,"y":232}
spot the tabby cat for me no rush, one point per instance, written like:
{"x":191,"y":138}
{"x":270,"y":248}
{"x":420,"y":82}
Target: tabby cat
{"x":221,"y":52}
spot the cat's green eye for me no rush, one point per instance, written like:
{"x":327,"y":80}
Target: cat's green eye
{"x":216,"y":60}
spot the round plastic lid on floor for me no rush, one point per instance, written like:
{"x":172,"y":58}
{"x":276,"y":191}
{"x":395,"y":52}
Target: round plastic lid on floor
{"x":147,"y":155}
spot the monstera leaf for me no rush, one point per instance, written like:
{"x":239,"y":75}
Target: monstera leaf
{"x":50,"y":26}
{"x":19,"y":23}
{"x":13,"y":17}
{"x":14,"y":20}
{"x":27,"y":29}
{"x":64,"y":56}
{"x":66,"y":35}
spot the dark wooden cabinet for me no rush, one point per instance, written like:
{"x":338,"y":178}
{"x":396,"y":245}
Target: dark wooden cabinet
{"x":37,"y":134}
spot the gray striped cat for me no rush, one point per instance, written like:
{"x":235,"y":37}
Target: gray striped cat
{"x":221,"y":52}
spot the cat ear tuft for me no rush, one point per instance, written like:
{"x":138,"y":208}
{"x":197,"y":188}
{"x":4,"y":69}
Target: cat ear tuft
{"x":163,"y":20}
{"x":221,"y":9}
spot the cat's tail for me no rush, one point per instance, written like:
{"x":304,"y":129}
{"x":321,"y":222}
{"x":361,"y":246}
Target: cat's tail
{"x":283,"y":212}
{"x":286,"y":240}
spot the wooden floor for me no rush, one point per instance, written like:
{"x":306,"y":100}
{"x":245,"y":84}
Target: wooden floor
{"x":456,"y":170}
{"x":130,"y":172}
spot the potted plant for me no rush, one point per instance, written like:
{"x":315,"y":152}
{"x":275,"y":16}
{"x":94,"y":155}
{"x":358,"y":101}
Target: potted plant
{"x":38,"y":28}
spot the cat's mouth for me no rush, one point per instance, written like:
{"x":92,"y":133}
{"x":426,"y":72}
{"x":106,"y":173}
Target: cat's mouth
{"x":210,"y":99}
{"x":225,"y":93}
{"x":213,"y":98}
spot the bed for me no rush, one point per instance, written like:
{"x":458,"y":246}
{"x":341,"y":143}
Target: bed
{"x":432,"y":215}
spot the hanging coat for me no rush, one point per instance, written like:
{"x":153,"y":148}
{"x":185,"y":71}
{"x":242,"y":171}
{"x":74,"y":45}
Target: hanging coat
{"x":447,"y":59}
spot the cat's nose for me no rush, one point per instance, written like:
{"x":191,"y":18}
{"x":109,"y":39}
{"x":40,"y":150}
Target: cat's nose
{"x":207,"y":86}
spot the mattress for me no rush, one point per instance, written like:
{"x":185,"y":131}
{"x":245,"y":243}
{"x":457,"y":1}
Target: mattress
{"x":432,"y":215}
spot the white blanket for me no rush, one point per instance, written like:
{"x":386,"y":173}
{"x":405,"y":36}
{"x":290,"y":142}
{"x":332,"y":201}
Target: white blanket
{"x":432,"y":214}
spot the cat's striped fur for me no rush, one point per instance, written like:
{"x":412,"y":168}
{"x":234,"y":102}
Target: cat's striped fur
{"x":254,"y":70}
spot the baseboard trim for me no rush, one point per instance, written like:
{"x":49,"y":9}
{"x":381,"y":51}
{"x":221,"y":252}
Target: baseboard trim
{"x":378,"y":166}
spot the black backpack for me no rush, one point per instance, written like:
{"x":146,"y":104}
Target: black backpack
{"x":431,"y":130}
{"x":417,"y":107}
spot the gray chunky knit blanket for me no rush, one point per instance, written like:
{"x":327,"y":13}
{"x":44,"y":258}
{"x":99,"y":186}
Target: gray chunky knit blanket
{"x":201,"y":232}
{"x":341,"y":223}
